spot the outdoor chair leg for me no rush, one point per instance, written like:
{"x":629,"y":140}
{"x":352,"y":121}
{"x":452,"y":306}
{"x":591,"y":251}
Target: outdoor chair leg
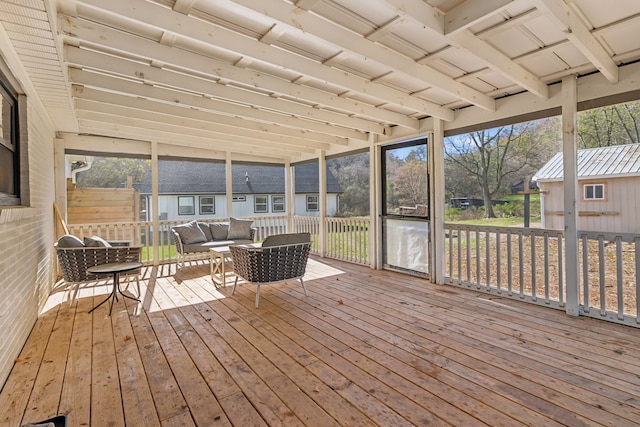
{"x":257,"y":295}
{"x":304,"y":288}
{"x":76,"y":288}
{"x":234,"y":286}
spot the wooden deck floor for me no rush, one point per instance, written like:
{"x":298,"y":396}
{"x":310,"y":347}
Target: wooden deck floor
{"x":364,"y":348}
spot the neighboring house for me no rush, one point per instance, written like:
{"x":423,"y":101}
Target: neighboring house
{"x":189,"y":190}
{"x":608,"y":190}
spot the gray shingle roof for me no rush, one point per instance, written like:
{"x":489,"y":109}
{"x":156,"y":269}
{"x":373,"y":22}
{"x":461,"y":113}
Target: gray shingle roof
{"x":187,"y":177}
{"x":603,"y":162}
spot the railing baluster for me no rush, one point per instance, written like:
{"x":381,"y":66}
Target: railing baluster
{"x":498,"y":263}
{"x":478,"y":280}
{"x":636,"y":243}
{"x":509,"y":265}
{"x":521,"y":267}
{"x":534,"y":292}
{"x":619,"y":278}
{"x":602,"y":275}
{"x":560,"y":273}
{"x":546,"y":267}
{"x":467,"y":243}
{"x":585,"y":273}
{"x":487,"y":251}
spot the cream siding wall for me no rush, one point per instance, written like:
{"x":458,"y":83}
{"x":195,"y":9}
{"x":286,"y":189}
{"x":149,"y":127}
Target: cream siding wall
{"x":26,"y":244}
{"x":623,"y":198}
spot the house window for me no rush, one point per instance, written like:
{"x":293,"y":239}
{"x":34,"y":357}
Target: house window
{"x":260,"y":204}
{"x":9,"y":145}
{"x":239,"y":198}
{"x":186,"y":205}
{"x":277,"y":203}
{"x":207,"y":205}
{"x":594,"y":192}
{"x":312,"y":203}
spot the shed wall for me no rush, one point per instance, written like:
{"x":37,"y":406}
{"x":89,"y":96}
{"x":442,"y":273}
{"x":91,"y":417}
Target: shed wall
{"x":617,"y":213}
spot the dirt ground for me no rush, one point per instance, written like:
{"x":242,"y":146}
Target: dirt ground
{"x":605,"y":284}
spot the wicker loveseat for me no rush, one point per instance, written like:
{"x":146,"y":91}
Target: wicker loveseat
{"x":281,"y":258}
{"x":75,"y":260}
{"x":196,"y":238}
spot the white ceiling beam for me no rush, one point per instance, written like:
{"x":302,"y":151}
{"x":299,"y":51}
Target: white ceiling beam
{"x":248,"y":98}
{"x":298,"y":137}
{"x":119,"y":114}
{"x":500,"y":62}
{"x":386,"y":29}
{"x":135,"y":132}
{"x":161,"y":94}
{"x":183,"y":6}
{"x":118,"y":145}
{"x":345,"y":39}
{"x":463,"y":38}
{"x":196,"y":29}
{"x":217,"y":69}
{"x":470,"y":13}
{"x":105,"y":144}
{"x":580,"y":36}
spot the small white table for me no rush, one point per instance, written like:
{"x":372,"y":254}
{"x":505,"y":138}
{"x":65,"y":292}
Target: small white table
{"x":219,"y":257}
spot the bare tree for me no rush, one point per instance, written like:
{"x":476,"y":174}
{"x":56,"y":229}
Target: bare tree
{"x":492,"y":156}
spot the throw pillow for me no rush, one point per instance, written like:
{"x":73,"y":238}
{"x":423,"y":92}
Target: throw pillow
{"x":239,"y":229}
{"x":286,"y":239}
{"x":190,"y":233}
{"x":206,"y":230}
{"x":219,"y":230}
{"x":70,"y":241}
{"x":96,"y":242}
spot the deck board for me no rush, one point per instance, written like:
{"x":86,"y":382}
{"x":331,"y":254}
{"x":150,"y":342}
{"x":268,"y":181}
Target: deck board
{"x":364,"y":348}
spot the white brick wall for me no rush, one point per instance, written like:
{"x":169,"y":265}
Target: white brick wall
{"x":26,"y":246}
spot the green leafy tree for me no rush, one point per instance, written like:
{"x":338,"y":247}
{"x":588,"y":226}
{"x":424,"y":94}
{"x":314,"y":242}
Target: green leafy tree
{"x":611,"y":125}
{"x":112,"y":172}
{"x":352,"y":172}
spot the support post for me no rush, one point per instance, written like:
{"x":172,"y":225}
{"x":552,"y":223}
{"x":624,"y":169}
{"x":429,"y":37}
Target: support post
{"x":322,"y":201}
{"x":155,"y":218}
{"x":290,"y":196}
{"x":436,"y":202}
{"x":374,"y":242}
{"x":570,"y":164}
{"x":229,"y":189}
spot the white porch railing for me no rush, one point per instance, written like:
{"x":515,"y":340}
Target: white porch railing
{"x":347,"y":238}
{"x":527,"y":264}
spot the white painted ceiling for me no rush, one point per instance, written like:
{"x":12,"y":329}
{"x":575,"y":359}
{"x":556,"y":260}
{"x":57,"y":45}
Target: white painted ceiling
{"x":286,"y":80}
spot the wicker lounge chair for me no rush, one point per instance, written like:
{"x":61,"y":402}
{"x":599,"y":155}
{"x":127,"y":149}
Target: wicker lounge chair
{"x":280,"y":259}
{"x":75,"y":261}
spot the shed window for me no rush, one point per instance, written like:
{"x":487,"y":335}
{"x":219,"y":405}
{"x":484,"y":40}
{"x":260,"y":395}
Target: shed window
{"x":312,"y":203}
{"x":207,"y":205}
{"x":260,"y":204}
{"x":594,"y":192}
{"x":186,"y":205}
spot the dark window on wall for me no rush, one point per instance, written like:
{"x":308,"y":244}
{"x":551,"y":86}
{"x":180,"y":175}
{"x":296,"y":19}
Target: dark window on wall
{"x":260,"y":204}
{"x":312,"y":203}
{"x":277,"y":203}
{"x":186,"y":205}
{"x":207,"y":205}
{"x":9,"y":145}
{"x":594,"y":192}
